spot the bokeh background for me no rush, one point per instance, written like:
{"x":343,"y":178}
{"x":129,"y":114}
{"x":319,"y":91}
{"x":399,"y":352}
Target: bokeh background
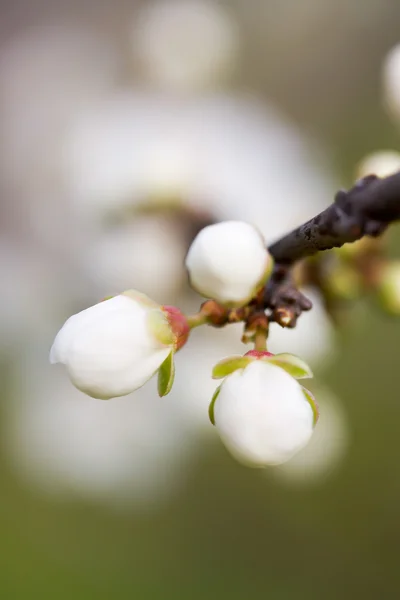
{"x":127,"y":126}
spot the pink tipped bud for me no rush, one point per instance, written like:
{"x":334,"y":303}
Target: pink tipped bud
{"x":258,"y":353}
{"x":178,"y":323}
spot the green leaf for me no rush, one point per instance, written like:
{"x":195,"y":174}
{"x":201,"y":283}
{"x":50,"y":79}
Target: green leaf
{"x":211,"y":407}
{"x":312,"y":402}
{"x":295,"y":366}
{"x":228,"y":365}
{"x":166,"y":374}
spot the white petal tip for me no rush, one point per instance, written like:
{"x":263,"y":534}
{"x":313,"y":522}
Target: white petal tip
{"x":53,"y":356}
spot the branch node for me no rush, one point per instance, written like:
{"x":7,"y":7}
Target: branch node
{"x":284,"y":300}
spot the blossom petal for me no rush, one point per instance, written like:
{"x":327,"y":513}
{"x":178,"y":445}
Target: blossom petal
{"x":74,"y":324}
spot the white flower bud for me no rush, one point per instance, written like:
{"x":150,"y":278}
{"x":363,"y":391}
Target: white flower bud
{"x":381,"y":164}
{"x":229,"y":262}
{"x":391,"y":81}
{"x":116,"y":346}
{"x":263,"y":415}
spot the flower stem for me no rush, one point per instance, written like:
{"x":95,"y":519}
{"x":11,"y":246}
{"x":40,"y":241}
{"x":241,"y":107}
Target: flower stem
{"x":197,"y":320}
{"x":260,"y":339}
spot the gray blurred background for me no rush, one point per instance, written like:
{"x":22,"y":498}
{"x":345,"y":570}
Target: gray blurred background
{"x":125,"y":127}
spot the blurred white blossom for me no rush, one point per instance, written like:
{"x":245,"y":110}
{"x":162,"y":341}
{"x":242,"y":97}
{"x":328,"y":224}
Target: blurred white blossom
{"x":313,"y":337}
{"x":48,"y":73}
{"x":185,"y":45}
{"x":227,"y":156}
{"x":146,"y":252}
{"x":391,"y":81}
{"x":132,"y":450}
{"x":130,"y":149}
{"x":326,"y":448}
{"x":32,"y":292}
{"x":381,"y":163}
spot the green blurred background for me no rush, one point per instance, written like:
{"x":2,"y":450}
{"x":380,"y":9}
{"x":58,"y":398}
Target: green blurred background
{"x":229,"y":532}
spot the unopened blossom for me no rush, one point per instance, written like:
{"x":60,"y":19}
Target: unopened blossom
{"x":391,"y":81}
{"x":185,"y":45}
{"x":327,"y":447}
{"x":116,"y":346}
{"x":382,"y":164}
{"x":228,"y":262}
{"x":262,"y":414}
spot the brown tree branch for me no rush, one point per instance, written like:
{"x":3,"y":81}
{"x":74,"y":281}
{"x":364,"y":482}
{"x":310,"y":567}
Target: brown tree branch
{"x":281,"y":296}
{"x":366,"y":209}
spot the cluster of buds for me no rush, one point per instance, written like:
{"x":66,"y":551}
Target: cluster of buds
{"x":261,"y":412}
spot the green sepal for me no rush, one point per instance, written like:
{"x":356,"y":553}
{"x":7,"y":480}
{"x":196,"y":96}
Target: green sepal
{"x":166,"y":375}
{"x":157,"y":323}
{"x":295,"y":366}
{"x":228,"y":365}
{"x":312,"y":402}
{"x":211,"y":407}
